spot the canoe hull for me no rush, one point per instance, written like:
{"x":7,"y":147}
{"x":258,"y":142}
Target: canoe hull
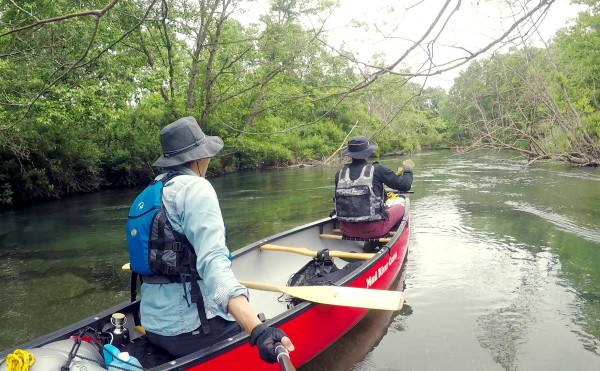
{"x":312,"y":327}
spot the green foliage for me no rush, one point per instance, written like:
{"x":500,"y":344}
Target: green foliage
{"x":501,"y":100}
{"x":254,"y":152}
{"x":316,"y":141}
{"x":576,"y":50}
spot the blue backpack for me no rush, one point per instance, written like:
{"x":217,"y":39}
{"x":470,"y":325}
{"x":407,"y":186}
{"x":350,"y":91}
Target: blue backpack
{"x":157,"y":253}
{"x":155,"y":249}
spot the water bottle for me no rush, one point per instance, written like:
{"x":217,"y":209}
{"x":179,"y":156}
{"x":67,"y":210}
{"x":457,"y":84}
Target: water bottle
{"x":125,"y":362}
{"x":110,"y":353}
{"x":120,"y":334}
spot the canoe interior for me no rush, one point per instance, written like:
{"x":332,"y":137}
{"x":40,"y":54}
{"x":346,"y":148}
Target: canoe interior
{"x":274,"y":267}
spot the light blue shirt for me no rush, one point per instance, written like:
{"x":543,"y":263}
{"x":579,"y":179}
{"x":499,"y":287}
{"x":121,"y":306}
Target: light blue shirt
{"x":193,"y":209}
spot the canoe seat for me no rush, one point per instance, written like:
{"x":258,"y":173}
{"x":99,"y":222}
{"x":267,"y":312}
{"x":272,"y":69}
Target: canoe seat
{"x":371,"y":245}
{"x":390,"y":233}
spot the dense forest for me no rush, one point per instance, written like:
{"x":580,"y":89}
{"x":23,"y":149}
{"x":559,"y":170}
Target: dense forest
{"x":87,"y":85}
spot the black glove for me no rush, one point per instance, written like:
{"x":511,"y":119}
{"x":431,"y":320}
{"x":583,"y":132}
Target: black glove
{"x":266,"y":337}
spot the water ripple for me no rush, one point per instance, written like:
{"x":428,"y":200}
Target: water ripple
{"x":561,"y":222}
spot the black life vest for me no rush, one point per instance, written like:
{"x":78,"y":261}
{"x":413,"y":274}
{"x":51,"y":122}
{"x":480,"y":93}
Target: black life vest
{"x":355,"y":200}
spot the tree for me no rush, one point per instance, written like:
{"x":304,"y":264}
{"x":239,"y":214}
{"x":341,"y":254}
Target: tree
{"x":540,"y":102}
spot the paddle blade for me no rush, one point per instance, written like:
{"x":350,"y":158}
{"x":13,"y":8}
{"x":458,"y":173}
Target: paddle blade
{"x":336,"y":295}
{"x":333,"y":295}
{"x":349,"y":296}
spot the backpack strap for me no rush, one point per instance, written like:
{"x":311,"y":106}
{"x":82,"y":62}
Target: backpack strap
{"x":199,"y":300}
{"x":160,"y":242}
{"x":344,"y":173}
{"x":168,"y":176}
{"x":324,"y":261}
{"x":133,"y":285}
{"x":367,"y":171}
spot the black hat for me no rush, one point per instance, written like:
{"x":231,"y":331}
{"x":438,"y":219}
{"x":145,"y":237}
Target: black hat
{"x":360,"y":147}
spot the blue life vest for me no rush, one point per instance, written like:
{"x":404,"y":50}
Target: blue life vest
{"x":155,"y":249}
{"x":158,"y":253}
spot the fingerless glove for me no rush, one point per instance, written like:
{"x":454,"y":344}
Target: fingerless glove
{"x":265,"y":338}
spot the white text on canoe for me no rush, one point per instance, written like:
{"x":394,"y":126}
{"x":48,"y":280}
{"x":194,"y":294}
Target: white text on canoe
{"x":381,"y":270}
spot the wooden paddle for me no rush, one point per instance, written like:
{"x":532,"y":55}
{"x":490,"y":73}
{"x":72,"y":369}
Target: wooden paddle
{"x":332,"y":295}
{"x":308,"y":252}
{"x":337,"y":295}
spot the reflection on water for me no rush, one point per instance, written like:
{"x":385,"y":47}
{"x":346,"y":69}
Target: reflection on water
{"x":365,"y":336}
{"x":503,"y":270}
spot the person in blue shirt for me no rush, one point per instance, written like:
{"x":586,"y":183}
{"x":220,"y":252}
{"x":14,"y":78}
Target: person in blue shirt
{"x":170,"y":320}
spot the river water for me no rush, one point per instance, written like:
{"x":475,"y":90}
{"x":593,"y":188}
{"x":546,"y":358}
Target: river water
{"x":503,"y":270}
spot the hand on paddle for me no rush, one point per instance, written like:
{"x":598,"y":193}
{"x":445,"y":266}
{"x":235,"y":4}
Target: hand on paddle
{"x":265,"y":338}
{"x":407,"y":165}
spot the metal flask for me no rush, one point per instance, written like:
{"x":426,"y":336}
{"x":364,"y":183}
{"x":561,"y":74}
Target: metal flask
{"x":120,"y":334}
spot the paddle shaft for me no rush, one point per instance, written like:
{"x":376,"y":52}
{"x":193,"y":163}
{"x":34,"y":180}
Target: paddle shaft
{"x":262,"y":286}
{"x":333,"y":295}
{"x":308,"y":252}
{"x":283,"y":357}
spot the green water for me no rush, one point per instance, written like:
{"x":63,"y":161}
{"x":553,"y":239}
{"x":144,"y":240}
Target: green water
{"x":503,"y":271}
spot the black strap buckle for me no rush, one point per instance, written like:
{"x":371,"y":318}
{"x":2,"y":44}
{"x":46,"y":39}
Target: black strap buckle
{"x":177,"y":246}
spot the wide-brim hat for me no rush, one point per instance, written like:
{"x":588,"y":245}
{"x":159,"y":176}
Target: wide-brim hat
{"x":360,"y":148}
{"x":183,"y":141}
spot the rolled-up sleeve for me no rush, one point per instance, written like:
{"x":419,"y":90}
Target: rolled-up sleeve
{"x":202,"y":223}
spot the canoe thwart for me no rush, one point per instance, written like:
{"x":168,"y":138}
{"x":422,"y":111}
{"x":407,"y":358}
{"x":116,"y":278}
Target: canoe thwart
{"x":338,"y":237}
{"x":313,"y":253}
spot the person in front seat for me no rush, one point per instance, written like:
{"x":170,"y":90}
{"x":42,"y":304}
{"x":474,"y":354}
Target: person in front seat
{"x":359,"y":192}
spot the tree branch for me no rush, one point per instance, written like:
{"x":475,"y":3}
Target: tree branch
{"x":96,"y":13}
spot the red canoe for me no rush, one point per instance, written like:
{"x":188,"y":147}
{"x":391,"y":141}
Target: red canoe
{"x":313,"y":324}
